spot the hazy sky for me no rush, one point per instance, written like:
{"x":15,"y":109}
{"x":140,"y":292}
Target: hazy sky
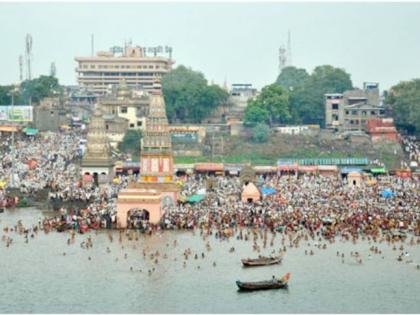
{"x":239,"y":41}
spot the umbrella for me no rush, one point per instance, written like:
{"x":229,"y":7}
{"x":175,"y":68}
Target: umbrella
{"x":195,"y":198}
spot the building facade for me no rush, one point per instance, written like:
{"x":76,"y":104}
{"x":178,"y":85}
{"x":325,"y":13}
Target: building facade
{"x":350,"y":111}
{"x":99,"y":73}
{"x":128,"y":105}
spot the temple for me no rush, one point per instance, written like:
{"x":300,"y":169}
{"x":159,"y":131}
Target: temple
{"x":97,"y":161}
{"x":155,"y":189}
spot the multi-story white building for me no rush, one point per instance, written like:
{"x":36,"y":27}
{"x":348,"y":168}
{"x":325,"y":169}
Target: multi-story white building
{"x":99,"y":73}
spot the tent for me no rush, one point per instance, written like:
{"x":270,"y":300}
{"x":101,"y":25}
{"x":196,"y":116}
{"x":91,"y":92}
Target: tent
{"x":387,"y":193}
{"x":195,"y":198}
{"x":30,"y":131}
{"x":250,"y":193}
{"x":266,"y":191}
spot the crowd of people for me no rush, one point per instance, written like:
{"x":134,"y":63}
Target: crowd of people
{"x":412,"y":149}
{"x":316,"y":204}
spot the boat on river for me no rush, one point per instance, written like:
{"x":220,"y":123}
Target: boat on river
{"x":274,"y":283}
{"x":261,"y":261}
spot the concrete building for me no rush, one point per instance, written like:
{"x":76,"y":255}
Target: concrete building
{"x":49,"y":115}
{"x":351,"y":110}
{"x":382,"y":129}
{"x":115,"y":127}
{"x":239,"y":95}
{"x":99,"y":73}
{"x":127,"y":103}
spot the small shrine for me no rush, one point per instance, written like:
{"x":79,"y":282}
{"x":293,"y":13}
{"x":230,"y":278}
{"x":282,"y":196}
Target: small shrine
{"x":155,"y":188}
{"x":97,"y":164}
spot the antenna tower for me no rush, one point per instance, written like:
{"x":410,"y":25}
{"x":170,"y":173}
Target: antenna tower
{"x":28,"y":55}
{"x":20,"y":68}
{"x":289,"y":48}
{"x":92,"y":45}
{"x":53,"y":69}
{"x":282,"y":58}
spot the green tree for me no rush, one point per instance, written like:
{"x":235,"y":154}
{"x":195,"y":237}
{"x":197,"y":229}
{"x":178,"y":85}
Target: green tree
{"x":404,"y":101}
{"x":260,"y":133}
{"x":36,"y":89}
{"x":307,"y":101}
{"x":131,"y":142}
{"x":292,"y":78}
{"x":273,"y":102}
{"x":254,"y":115}
{"x":5,"y":98}
{"x":188,"y":97}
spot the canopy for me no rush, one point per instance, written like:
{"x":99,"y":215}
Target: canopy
{"x":347,"y":170}
{"x":268,"y":191}
{"x":195,"y":198}
{"x":307,"y":168}
{"x":4,"y":128}
{"x":30,"y":131}
{"x":378,"y":170}
{"x":209,"y":167}
{"x":387,"y":193}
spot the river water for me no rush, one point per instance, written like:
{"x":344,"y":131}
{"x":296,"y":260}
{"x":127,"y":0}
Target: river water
{"x":36,"y":277}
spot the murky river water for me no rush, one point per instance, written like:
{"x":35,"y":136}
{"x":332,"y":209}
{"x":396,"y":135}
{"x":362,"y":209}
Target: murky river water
{"x":36,"y":277}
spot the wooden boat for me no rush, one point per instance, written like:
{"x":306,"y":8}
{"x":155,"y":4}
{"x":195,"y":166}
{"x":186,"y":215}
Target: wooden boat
{"x":275,"y":283}
{"x":261,"y":261}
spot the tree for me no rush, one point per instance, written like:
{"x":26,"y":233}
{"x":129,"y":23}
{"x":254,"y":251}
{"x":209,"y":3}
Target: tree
{"x":260,"y":133}
{"x":292,"y":78}
{"x":404,"y":101}
{"x":254,"y":115}
{"x":131,"y":142}
{"x":273,"y":102}
{"x":307,"y":101}
{"x":5,"y":98}
{"x":36,"y":89}
{"x":188,"y":97}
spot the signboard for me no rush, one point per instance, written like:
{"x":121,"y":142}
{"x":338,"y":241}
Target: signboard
{"x":17,"y":113}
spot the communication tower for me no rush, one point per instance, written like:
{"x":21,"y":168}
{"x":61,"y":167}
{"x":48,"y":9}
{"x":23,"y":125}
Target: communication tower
{"x":28,"y":55}
{"x":53,"y":69}
{"x":20,"y":68}
{"x":289,"y":48}
{"x":282,"y":58}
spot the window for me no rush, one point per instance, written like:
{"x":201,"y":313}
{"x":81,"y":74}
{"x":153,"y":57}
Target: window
{"x":107,"y":127}
{"x":124,"y":109}
{"x":334,"y":106}
{"x":364,"y":113}
{"x":373,"y":112}
{"x":351,"y":122}
{"x":347,"y":112}
{"x":131,"y":125}
{"x":139,"y":123}
{"x":354,"y":112}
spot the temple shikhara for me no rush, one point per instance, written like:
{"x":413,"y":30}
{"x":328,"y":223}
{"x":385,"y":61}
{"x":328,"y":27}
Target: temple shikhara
{"x":155,"y":189}
{"x":97,"y":161}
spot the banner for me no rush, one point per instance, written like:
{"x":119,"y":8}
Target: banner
{"x":17,"y":113}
